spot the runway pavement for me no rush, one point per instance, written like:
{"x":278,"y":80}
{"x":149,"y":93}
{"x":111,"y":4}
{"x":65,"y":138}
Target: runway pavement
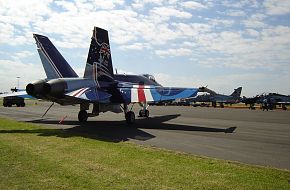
{"x":248,"y":136}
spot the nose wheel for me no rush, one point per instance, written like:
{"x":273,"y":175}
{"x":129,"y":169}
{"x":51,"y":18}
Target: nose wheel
{"x":144,"y":113}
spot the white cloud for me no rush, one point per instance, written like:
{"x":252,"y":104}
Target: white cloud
{"x":193,"y":5}
{"x":220,"y":23}
{"x":174,"y":52}
{"x":236,"y":13}
{"x":21,"y":13}
{"x":240,"y":4}
{"x":254,"y":23}
{"x":68,"y":6}
{"x":107,"y":4}
{"x":166,"y":12}
{"x":23,"y":54}
{"x":135,"y":46}
{"x":177,"y":81}
{"x":27,"y":72}
{"x":252,"y":32}
{"x":277,"y":7}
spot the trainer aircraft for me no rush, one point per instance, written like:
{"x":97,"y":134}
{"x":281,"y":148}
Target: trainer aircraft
{"x":99,"y":88}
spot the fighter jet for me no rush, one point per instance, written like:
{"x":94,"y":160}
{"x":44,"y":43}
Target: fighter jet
{"x":273,"y":99}
{"x":268,"y":101}
{"x":252,"y":101}
{"x":215,"y":98}
{"x":99,"y":88}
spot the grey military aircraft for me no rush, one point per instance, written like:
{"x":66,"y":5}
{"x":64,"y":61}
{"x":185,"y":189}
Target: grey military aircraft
{"x":271,"y":100}
{"x":215,"y":98}
{"x":268,"y":101}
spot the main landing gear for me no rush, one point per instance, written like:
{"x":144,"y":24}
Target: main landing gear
{"x":83,"y":116}
{"x":130,"y":115}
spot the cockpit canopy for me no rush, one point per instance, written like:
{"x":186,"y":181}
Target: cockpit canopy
{"x":150,"y":77}
{"x":144,"y":79}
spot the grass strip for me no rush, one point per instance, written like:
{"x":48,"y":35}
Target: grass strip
{"x":34,"y":157}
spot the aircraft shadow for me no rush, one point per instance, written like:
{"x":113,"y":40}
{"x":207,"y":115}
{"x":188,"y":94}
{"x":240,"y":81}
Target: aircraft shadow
{"x":115,"y":131}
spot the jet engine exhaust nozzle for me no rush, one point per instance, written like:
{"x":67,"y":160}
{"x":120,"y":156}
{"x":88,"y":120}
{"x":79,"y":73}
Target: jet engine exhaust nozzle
{"x":30,"y":89}
{"x":35,"y":88}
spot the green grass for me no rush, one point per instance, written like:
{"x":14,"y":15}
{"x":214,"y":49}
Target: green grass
{"x":33,"y":157}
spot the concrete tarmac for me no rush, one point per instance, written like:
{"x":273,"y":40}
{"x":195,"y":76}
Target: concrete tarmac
{"x":248,"y":136}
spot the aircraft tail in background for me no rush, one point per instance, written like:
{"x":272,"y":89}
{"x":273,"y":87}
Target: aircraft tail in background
{"x":237,"y":93}
{"x":53,"y":62}
{"x":99,"y":62}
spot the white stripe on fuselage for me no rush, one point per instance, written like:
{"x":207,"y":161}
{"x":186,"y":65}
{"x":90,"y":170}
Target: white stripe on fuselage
{"x":134,"y":95}
{"x":147,"y":93}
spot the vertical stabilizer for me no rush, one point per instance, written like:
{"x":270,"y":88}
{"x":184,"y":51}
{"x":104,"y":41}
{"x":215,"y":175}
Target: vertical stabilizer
{"x":237,"y":93}
{"x":99,"y":61}
{"x":54,"y":64}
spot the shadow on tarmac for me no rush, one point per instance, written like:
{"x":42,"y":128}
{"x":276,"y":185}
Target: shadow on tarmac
{"x":115,"y":131}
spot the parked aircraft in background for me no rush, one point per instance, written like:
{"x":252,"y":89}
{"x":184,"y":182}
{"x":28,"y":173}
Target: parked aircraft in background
{"x":215,"y":98}
{"x":99,"y":87}
{"x":268,"y":101}
{"x":271,"y":100}
{"x":252,"y":101}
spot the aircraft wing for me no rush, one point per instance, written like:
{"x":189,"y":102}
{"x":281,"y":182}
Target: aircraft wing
{"x":89,"y":95}
{"x":143,"y":93}
{"x":22,"y":94}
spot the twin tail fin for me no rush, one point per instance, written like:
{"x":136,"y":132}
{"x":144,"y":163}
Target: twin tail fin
{"x":99,"y":62}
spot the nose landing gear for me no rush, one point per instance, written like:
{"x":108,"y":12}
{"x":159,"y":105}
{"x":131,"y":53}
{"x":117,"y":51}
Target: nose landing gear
{"x":144,"y":113}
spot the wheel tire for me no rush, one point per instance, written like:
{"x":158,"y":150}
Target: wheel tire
{"x":146,"y":114}
{"x":18,"y":105}
{"x":130,"y":117}
{"x":83,"y":116}
{"x":141,"y":113}
{"x":23,"y":104}
{"x":5,"y":105}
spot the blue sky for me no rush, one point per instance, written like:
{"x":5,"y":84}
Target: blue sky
{"x":222,"y":44}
